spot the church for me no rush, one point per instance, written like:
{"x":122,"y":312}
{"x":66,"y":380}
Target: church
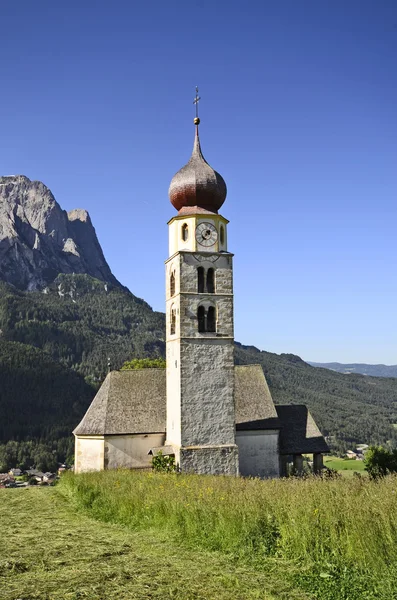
{"x":212,"y":416}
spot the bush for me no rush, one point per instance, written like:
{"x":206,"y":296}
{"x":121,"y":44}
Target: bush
{"x":163,"y":464}
{"x":144,"y":363}
{"x":380,"y":462}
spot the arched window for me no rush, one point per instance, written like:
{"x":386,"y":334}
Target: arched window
{"x":185,"y":232}
{"x":201,"y":319}
{"x":211,"y":323}
{"x":222,"y":235}
{"x":200,"y":280}
{"x":172,"y":284}
{"x":211,"y":281}
{"x":173,"y":320}
{"x":206,"y":319}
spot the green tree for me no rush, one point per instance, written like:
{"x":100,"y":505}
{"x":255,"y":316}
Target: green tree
{"x":380,"y":462}
{"x":144,"y":363}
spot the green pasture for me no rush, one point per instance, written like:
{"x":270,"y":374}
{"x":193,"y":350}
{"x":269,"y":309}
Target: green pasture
{"x":51,"y":552}
{"x":346,"y":466}
{"x":129,"y":535}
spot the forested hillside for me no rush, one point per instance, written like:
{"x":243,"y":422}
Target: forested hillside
{"x":349,"y":408}
{"x":62,"y":339}
{"x":54,"y":352}
{"x":82,"y":322}
{"x":360,"y":368}
{"x":41,"y":401}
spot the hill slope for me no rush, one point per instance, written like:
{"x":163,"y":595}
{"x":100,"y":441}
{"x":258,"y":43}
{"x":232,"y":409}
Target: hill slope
{"x":350,"y":408}
{"x":81,"y":323}
{"x":39,"y":398}
{"x":360,"y":368}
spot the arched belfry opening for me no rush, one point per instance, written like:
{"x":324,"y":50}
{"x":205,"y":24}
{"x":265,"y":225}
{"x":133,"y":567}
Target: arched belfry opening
{"x":201,"y":319}
{"x":206,"y":319}
{"x":185,"y":232}
{"x":211,"y":281}
{"x":205,"y":280}
{"x":211,"y":319}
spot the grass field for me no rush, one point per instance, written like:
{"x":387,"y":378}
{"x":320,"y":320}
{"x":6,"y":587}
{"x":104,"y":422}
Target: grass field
{"x":347,"y":467}
{"x":335,"y":539}
{"x":131,"y":535}
{"x":51,"y":552}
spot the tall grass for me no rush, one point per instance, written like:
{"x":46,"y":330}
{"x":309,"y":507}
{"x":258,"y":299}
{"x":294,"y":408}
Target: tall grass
{"x":341,"y":533}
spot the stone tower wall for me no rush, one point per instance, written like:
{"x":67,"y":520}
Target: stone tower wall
{"x":200,"y":366}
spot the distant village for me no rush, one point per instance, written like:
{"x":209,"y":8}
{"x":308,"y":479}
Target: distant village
{"x":24,"y":478}
{"x":358,"y":453}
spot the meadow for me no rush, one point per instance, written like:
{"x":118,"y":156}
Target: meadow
{"x":329,"y":538}
{"x":49,"y":551}
{"x":345,"y":466}
{"x":127,"y":535}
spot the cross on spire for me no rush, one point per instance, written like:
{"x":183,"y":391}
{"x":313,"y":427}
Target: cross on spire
{"x":196,"y":101}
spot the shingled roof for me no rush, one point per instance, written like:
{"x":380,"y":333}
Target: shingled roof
{"x":299,"y":433}
{"x":254,"y":405}
{"x":127,"y":402}
{"x":135,"y":402}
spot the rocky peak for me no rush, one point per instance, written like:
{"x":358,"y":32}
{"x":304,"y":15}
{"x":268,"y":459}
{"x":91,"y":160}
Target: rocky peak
{"x":39,"y":240}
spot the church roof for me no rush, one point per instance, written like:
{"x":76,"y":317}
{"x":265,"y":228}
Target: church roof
{"x":127,"y":402}
{"x":197,"y":184}
{"x":254,"y":405}
{"x":135,"y":402}
{"x":299,"y":433}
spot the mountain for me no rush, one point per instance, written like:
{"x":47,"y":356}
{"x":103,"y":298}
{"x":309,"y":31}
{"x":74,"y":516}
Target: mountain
{"x":363,"y":369}
{"x":39,"y":240}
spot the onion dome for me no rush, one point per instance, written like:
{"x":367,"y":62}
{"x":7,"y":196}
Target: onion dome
{"x":197,"y":184}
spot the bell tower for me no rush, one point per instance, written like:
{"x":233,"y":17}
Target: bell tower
{"x":199,"y":322}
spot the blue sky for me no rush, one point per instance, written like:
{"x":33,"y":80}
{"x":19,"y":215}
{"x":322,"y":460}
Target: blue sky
{"x":298,"y":114}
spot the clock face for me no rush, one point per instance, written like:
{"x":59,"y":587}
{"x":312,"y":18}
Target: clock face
{"x":206,"y":234}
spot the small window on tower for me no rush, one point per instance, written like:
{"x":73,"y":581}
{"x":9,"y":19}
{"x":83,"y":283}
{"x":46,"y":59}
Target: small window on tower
{"x":211,"y":281}
{"x":185,"y":232}
{"x":200,"y":280}
{"x":222,"y":234}
{"x":201,"y":319}
{"x":172,"y":284}
{"x":211,"y":322}
{"x":173,"y":321}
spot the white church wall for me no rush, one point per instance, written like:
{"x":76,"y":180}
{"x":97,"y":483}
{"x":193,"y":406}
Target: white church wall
{"x":131,"y":451}
{"x":173,"y":392}
{"x":258,"y":453}
{"x":89,"y":454}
